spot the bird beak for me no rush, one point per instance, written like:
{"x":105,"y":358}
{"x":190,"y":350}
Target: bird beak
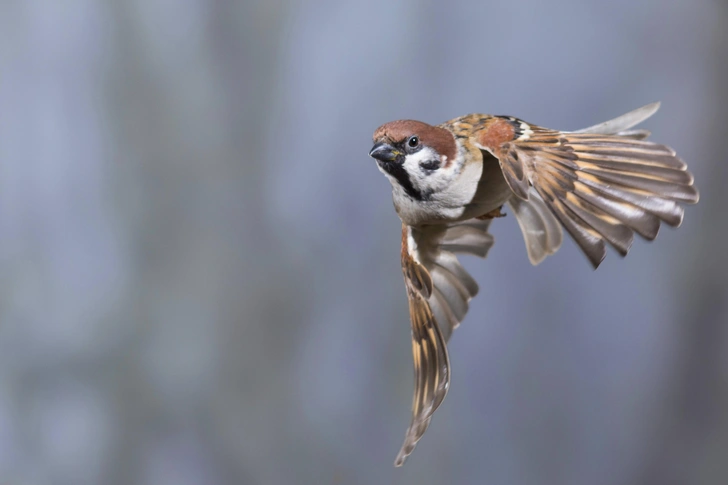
{"x":384,"y":152}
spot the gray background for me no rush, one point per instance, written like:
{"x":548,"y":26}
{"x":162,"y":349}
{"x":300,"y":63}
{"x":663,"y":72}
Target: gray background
{"x":199,"y":275}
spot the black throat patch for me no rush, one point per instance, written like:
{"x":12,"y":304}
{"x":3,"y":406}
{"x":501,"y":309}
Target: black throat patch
{"x":396,"y":170}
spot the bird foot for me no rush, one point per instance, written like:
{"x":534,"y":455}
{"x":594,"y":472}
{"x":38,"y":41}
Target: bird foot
{"x":492,"y":214}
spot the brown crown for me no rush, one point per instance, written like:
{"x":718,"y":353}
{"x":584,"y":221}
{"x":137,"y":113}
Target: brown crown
{"x":435,"y":137}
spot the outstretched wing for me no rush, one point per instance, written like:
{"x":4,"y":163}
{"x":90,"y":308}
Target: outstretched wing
{"x":603,"y":183}
{"x":438,"y":290}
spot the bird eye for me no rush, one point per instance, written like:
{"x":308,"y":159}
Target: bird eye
{"x":413,"y":142}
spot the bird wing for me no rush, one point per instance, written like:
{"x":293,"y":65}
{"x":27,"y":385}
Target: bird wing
{"x":438,"y":290}
{"x":603,"y":183}
{"x":541,"y":230}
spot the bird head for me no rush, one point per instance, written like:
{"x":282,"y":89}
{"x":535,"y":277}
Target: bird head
{"x":414,"y":156}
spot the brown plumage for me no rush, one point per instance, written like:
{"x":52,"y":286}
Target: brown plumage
{"x":432,"y":367}
{"x":602,"y":184}
{"x":438,"y":139}
{"x":601,"y":187}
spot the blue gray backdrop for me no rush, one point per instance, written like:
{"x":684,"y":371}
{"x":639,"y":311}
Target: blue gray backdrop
{"x":199,"y":275}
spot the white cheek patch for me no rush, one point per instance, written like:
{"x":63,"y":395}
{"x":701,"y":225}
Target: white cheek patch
{"x":427,"y":180}
{"x":413,"y":160}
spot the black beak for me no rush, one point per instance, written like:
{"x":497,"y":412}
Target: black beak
{"x":384,"y":152}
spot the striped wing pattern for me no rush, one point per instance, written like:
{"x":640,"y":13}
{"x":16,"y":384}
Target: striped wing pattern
{"x":438,"y":290}
{"x":602,"y":187}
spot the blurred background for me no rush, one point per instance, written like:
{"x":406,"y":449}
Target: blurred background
{"x":199,"y":264}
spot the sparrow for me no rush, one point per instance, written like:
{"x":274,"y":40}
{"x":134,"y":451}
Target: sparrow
{"x":602,"y":184}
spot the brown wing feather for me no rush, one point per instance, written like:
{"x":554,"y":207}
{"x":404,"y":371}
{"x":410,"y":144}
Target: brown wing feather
{"x":429,"y":350}
{"x":601,"y":187}
{"x":432,"y":373}
{"x":439,"y":290}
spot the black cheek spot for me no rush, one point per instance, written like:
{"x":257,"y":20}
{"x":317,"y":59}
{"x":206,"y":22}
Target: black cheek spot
{"x":430,"y":166}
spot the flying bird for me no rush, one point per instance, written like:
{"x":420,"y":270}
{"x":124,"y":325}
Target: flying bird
{"x":602,"y":184}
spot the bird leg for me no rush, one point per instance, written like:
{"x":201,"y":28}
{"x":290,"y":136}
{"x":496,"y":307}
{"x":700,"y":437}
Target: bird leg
{"x":492,"y":214}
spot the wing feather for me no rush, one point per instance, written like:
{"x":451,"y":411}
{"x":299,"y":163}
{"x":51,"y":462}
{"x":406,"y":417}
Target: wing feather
{"x":439,"y":290}
{"x":603,"y":183}
{"x":622,"y":124}
{"x":541,"y":231}
{"x":432,"y":372}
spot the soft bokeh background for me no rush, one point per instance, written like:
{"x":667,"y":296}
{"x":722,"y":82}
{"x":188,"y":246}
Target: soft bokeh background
{"x":199,"y":275}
